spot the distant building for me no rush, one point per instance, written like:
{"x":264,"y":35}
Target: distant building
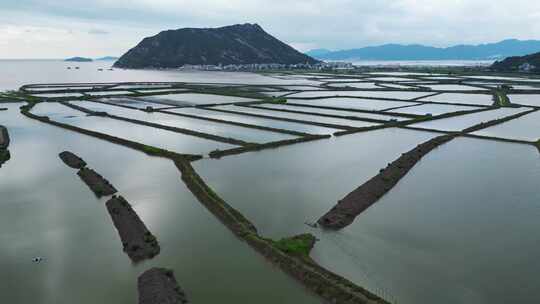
{"x":526,"y":67}
{"x":271,"y":66}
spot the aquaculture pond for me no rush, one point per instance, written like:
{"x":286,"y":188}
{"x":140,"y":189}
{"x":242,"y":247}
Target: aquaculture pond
{"x":147,"y":135}
{"x":454,"y":238}
{"x":214,"y":128}
{"x":459,"y":123}
{"x":194,"y":99}
{"x":357,"y":85}
{"x":523,"y":128}
{"x":434,"y":109}
{"x":473,"y":99}
{"x":373,"y":94}
{"x":331,"y":112}
{"x":57,"y":95}
{"x":62,"y":221}
{"x":291,"y":185}
{"x":352,"y":103}
{"x":303,"y":117}
{"x":452,"y":87}
{"x":133,"y":102}
{"x":257,"y":121}
{"x":530,"y":99}
{"x":434,"y":234}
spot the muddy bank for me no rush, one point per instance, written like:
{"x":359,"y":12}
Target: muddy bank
{"x":137,"y":241}
{"x":347,"y":209}
{"x":4,"y":138}
{"x":291,"y":255}
{"x":72,"y":160}
{"x":4,"y":143}
{"x":159,"y":286}
{"x":97,"y":183}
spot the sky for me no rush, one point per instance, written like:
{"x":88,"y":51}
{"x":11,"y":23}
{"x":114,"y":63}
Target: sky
{"x":94,"y":28}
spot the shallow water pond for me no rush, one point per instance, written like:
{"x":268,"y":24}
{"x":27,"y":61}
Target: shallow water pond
{"x":458,"y":123}
{"x":453,"y":238}
{"x":292,"y":126}
{"x":61,"y":220}
{"x":524,"y":128}
{"x":473,"y":99}
{"x":352,"y":103}
{"x":236,"y":132}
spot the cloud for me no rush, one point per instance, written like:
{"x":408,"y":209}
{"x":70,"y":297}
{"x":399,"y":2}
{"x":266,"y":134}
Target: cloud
{"x":98,"y":32}
{"x":332,"y":24}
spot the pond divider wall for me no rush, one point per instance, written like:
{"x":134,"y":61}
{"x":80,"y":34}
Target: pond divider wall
{"x":137,"y":241}
{"x":213,"y":137}
{"x":306,"y":122}
{"x":348,"y":117}
{"x":322,"y":282}
{"x":354,"y":203}
{"x":159,"y":286}
{"x":406,"y":115}
{"x":270,"y":145}
{"x":234,"y":123}
{"x":150,"y":150}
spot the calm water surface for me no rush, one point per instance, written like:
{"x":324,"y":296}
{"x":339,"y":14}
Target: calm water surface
{"x":47,"y":211}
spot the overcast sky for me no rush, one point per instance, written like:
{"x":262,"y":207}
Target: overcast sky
{"x":63,"y":28}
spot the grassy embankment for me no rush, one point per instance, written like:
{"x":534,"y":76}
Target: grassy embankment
{"x":289,"y":254}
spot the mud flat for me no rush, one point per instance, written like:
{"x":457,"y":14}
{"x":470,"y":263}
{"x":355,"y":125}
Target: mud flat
{"x":72,"y":160}
{"x":159,"y":286}
{"x":347,"y":209}
{"x":138,"y":242}
{"x":97,"y":183}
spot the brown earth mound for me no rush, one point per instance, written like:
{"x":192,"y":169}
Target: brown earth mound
{"x":72,"y":160}
{"x":99,"y":185}
{"x":138,"y":242}
{"x":159,"y":286}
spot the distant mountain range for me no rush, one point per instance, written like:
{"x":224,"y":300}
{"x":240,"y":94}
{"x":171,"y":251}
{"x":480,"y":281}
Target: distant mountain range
{"x":489,"y":51}
{"x":235,"y":44}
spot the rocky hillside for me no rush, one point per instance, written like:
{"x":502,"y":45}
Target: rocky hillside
{"x":528,"y":63}
{"x":236,"y":44}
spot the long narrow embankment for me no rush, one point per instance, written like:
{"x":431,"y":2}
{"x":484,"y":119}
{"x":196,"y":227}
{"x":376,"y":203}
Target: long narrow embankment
{"x":347,"y":209}
{"x":4,"y":144}
{"x":159,"y":286}
{"x":97,"y":183}
{"x":4,"y":138}
{"x":290,"y":255}
{"x":72,"y":160}
{"x":138,"y":242}
{"x":149,"y":150}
